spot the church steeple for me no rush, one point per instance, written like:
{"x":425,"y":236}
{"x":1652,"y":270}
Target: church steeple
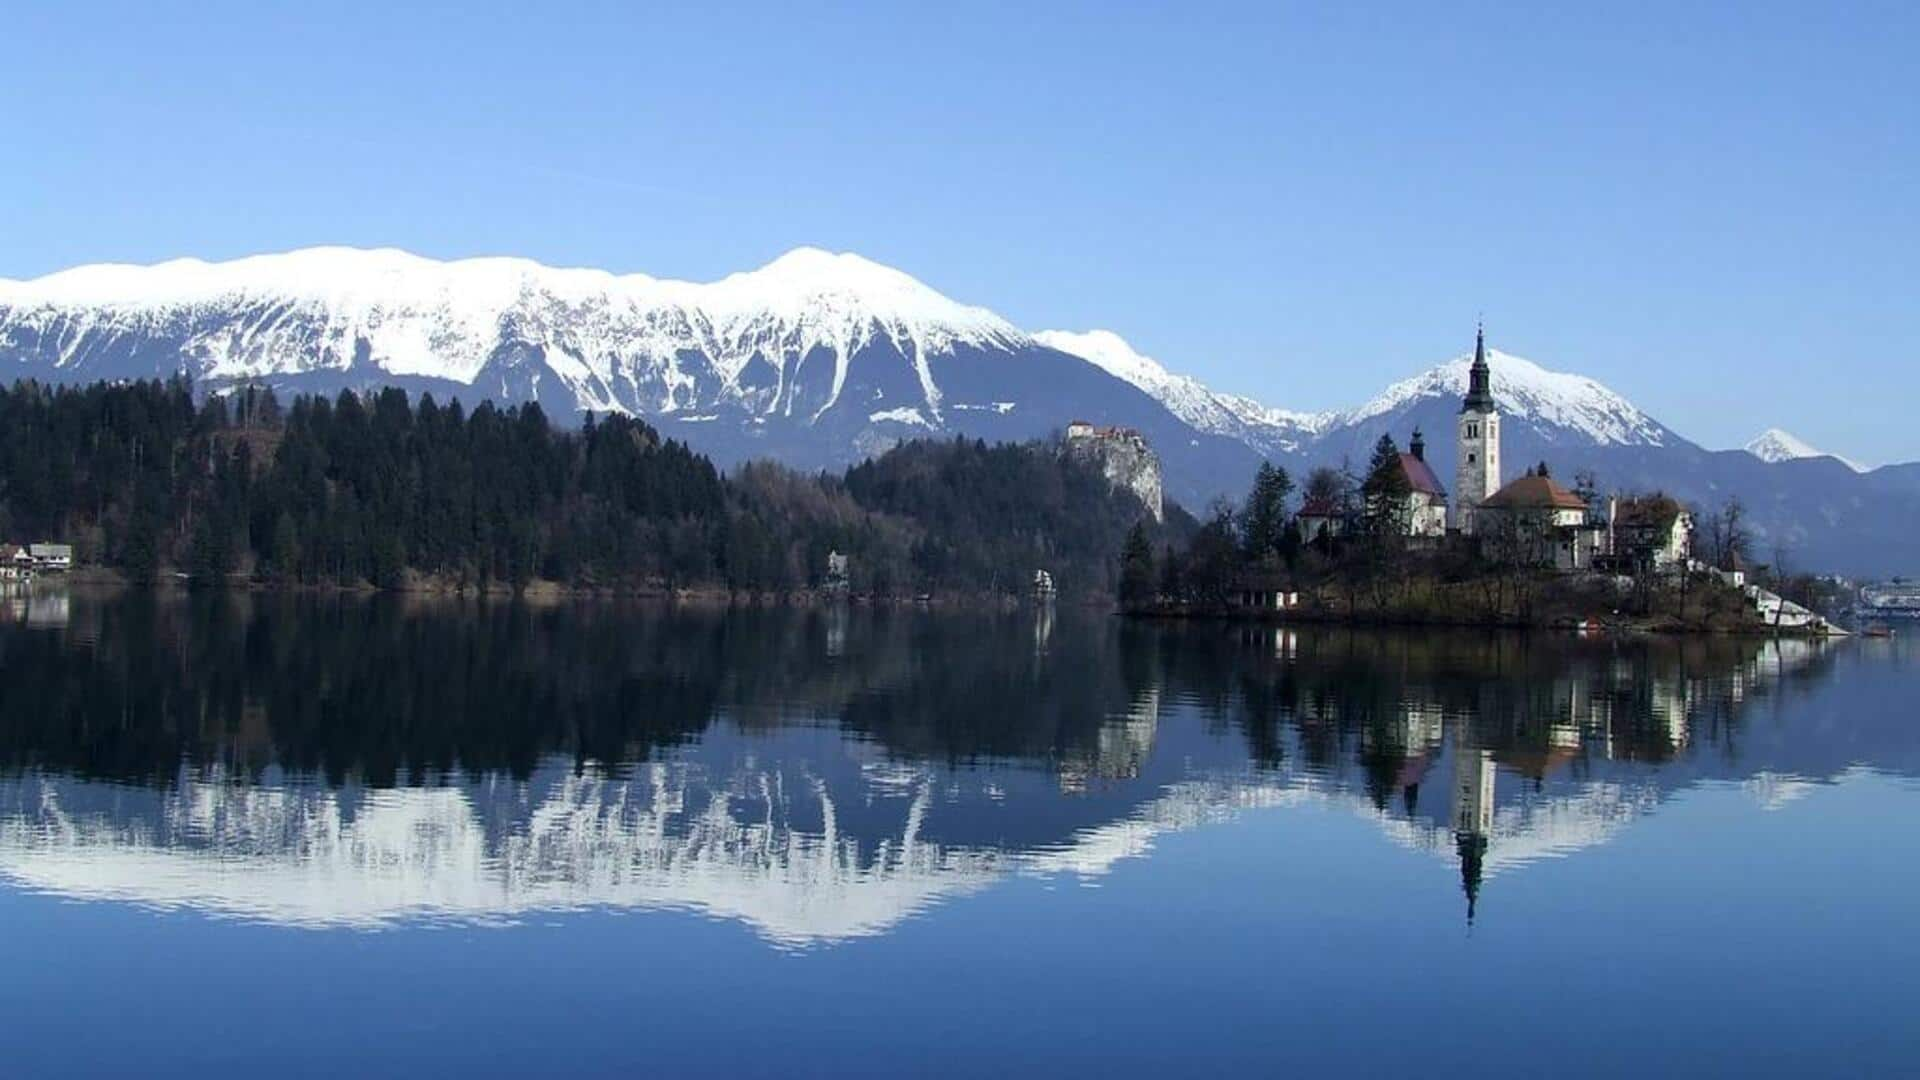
{"x":1477,"y":452}
{"x":1479,"y":377}
{"x":1472,"y":849}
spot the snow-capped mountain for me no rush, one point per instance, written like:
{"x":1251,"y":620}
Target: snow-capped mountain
{"x":1570,"y":421}
{"x":1565,"y":405}
{"x":1806,"y":507}
{"x":628,"y":343}
{"x":822,"y":359}
{"x":819,"y":359}
{"x":1774,"y":445}
{"x":1549,"y":414}
{"x":1562,"y":406}
{"x":1268,"y":430}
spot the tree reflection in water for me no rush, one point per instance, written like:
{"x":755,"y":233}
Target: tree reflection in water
{"x":821,"y":773}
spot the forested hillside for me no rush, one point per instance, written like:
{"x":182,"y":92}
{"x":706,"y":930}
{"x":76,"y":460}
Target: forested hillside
{"x":143,"y":478}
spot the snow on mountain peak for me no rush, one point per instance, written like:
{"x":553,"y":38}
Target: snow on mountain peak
{"x":637,"y":343}
{"x":1183,"y":395}
{"x":1775,"y":445}
{"x":1111,"y":353}
{"x":1522,"y":388}
{"x":334,"y":308}
{"x":344,"y":276}
{"x":813,"y":284}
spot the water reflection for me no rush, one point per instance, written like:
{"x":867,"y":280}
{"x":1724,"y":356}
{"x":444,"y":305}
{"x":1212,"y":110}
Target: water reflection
{"x":41,"y":605}
{"x":823,"y":775}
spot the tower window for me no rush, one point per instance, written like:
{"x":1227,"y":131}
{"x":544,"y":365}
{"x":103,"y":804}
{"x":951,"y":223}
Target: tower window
{"x":1470,"y":459}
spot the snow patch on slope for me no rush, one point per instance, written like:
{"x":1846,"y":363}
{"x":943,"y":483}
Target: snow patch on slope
{"x":905,"y":415}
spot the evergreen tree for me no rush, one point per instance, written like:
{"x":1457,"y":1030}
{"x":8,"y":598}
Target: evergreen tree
{"x":1173,"y":584}
{"x":284,"y":557}
{"x":1213,"y":559}
{"x":1136,"y":570}
{"x":1385,"y":491}
{"x":1263,"y":522}
{"x":365,"y":488}
{"x":211,"y":558}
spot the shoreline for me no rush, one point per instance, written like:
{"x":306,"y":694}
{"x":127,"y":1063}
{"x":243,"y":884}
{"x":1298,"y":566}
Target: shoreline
{"x":1621,"y":628}
{"x":543,"y":591}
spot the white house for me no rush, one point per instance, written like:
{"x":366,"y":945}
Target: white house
{"x":1536,"y":521}
{"x":51,"y":556}
{"x":1426,"y":509}
{"x":1651,"y":532}
{"x":1320,"y":518}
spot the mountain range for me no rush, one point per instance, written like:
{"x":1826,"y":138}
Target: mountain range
{"x":822,"y":359}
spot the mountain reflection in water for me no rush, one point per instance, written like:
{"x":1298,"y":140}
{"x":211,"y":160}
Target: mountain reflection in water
{"x":824,"y":774}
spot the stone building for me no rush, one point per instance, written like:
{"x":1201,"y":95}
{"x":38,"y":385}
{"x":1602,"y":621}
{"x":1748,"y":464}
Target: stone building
{"x":1123,"y":457}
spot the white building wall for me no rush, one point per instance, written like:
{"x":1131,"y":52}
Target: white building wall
{"x":1476,"y":464}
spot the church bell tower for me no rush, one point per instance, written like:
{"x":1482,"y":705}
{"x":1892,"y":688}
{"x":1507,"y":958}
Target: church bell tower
{"x":1477,"y":463}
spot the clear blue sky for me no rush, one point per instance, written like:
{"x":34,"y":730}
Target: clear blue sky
{"x":1717,"y":212}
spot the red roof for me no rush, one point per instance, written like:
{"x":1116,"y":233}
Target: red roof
{"x":1534,"y":492}
{"x":1420,"y":476}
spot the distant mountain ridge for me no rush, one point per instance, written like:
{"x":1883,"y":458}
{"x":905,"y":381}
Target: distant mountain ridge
{"x":1812,"y":510}
{"x":1266,"y":429}
{"x":821,"y":359}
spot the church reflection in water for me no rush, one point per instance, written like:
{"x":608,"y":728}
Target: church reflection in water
{"x":819,"y":775}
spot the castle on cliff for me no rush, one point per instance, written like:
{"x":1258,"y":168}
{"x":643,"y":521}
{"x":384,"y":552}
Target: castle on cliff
{"x":1123,"y":457}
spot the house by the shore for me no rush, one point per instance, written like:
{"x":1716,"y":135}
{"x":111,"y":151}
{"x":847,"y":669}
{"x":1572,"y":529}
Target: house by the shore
{"x":51,"y":557}
{"x":1534,"y":521}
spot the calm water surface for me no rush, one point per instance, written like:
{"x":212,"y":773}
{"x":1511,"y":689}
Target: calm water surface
{"x":320,"y":837}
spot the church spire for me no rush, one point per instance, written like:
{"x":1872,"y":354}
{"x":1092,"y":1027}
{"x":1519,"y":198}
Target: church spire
{"x":1479,"y":376}
{"x":1472,"y":850}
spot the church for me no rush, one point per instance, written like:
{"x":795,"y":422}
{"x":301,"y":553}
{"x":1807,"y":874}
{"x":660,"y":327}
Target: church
{"x":1532,"y":519}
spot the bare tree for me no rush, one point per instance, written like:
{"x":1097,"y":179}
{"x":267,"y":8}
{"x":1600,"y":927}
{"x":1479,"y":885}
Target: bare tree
{"x":1328,"y":486}
{"x":1782,"y":577}
{"x":1733,"y":517}
{"x":1727,"y":534}
{"x":1586,"y":484}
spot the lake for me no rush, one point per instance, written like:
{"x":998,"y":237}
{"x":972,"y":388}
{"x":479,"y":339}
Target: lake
{"x":300,"y":836}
